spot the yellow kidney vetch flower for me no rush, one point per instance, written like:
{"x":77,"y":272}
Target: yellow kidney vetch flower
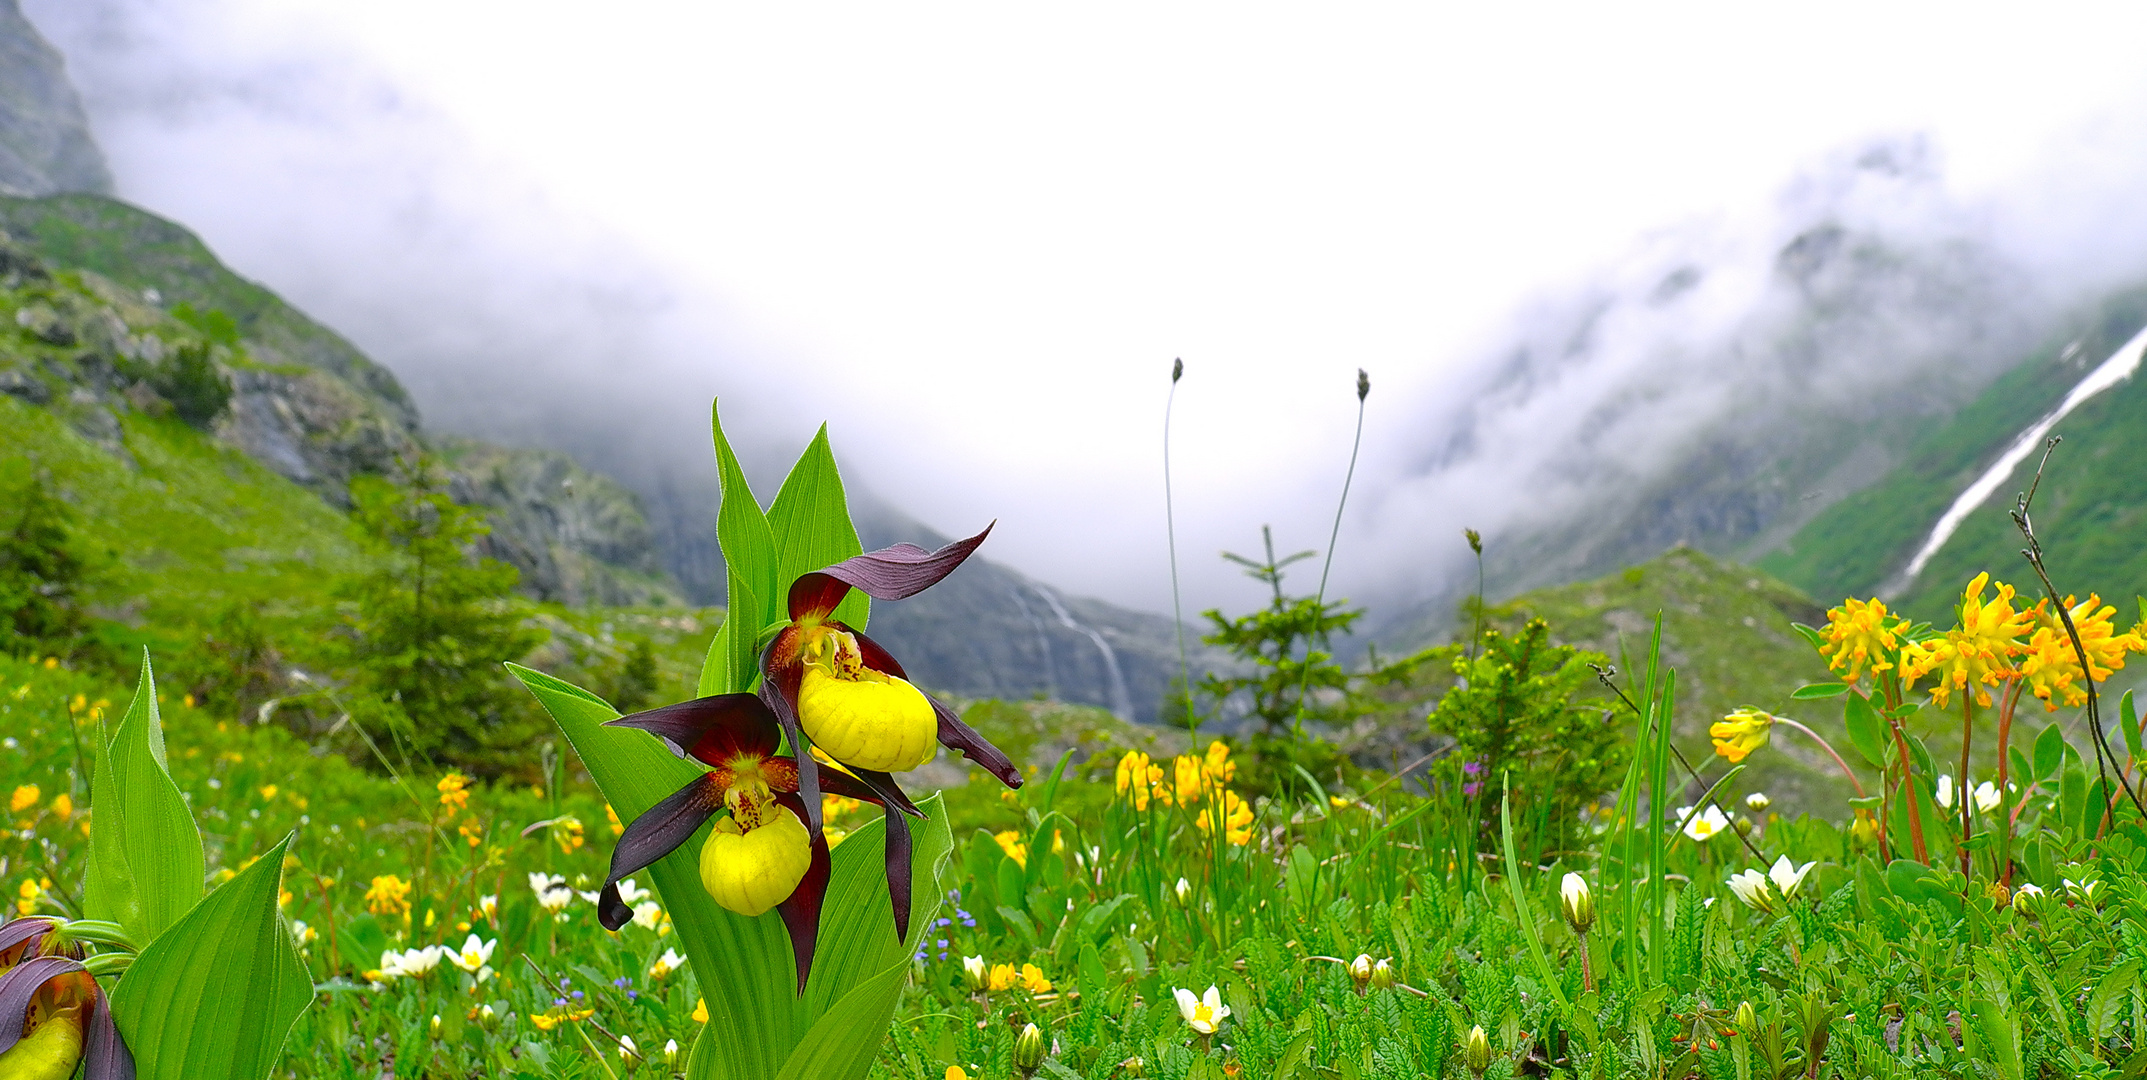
{"x":2052,"y":668}
{"x":25,"y":797}
{"x":1977,"y":653}
{"x":1857,"y":634}
{"x":454,"y":792}
{"x":1740,"y":733}
{"x":1217,"y":764}
{"x":63,"y":806}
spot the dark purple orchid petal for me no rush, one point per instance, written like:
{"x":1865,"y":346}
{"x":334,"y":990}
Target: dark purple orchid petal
{"x":105,"y":1055}
{"x":801,"y":909}
{"x":899,"y":809}
{"x":19,"y":984}
{"x":653,"y":835}
{"x":955,"y":735}
{"x":891,"y":573}
{"x":21,"y":936}
{"x":779,"y":689}
{"x":712,"y":729}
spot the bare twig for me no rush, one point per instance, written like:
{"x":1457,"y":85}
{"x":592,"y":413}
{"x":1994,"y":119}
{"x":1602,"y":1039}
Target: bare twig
{"x":2034,"y":554}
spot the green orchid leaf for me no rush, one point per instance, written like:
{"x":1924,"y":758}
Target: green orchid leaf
{"x":745,"y":964}
{"x":750,"y":566}
{"x":146,"y":865}
{"x":214,"y":996}
{"x":811,"y":521}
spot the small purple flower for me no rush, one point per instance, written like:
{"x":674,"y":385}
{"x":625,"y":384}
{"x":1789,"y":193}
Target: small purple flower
{"x":619,"y":982}
{"x":1470,"y":789}
{"x":577,"y":995}
{"x":633,"y":995}
{"x":1472,"y":768}
{"x":559,"y":1002}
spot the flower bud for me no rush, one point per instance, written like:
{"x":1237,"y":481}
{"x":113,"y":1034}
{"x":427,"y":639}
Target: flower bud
{"x":1364,"y":384}
{"x":1578,"y":902}
{"x":487,"y":1018}
{"x":1184,"y":889}
{"x":670,"y":1054}
{"x":973,"y":973}
{"x":1029,"y":1050}
{"x":2030,"y":899}
{"x":1475,"y":539}
{"x":1747,"y":1021}
{"x":1476,"y":1051}
{"x":436,"y":1025}
{"x":627,"y":1050}
{"x":1758,"y":802}
{"x":1382,"y":976}
{"x":1360,"y":971}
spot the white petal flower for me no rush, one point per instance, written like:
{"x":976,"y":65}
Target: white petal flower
{"x":418,"y":963}
{"x":544,"y":883}
{"x":631,"y":893}
{"x":669,"y":962}
{"x":1944,"y":795}
{"x":1986,"y":797}
{"x":1203,"y":1014}
{"x":1752,"y":888}
{"x":474,"y":954}
{"x":1705,"y":825}
{"x":1787,"y":876}
{"x":646,"y":913}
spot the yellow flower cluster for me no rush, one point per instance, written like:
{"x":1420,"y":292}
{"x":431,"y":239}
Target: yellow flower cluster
{"x":24,"y":798}
{"x":1029,"y":977}
{"x":1190,"y":778}
{"x":1740,"y":733}
{"x":454,"y":792}
{"x":551,"y":1018}
{"x":1858,"y":633}
{"x":1234,"y":815}
{"x":389,"y":895}
{"x":2050,"y":665}
{"x":26,"y":897}
{"x":1978,"y":652}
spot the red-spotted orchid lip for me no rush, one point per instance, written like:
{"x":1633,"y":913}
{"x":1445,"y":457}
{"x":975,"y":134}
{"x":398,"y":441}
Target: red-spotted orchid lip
{"x":891,"y":573}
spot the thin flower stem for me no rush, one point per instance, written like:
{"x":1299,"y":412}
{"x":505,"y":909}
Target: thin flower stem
{"x":1966,"y":795}
{"x":1830,"y":752}
{"x":1908,"y":776}
{"x":1170,"y":528}
{"x":2004,"y":868}
{"x":1319,"y":600}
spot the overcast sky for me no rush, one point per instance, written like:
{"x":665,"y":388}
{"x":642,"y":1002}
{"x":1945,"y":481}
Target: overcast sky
{"x":973,"y":237}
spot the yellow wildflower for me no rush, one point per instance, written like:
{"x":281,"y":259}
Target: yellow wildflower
{"x":1740,"y":733}
{"x":566,"y":832}
{"x":454,"y":792}
{"x":472,"y":833}
{"x":1235,"y":815}
{"x":612,"y":816}
{"x":1218,"y":766}
{"x":837,"y":805}
{"x":1187,"y":783}
{"x":1859,"y":633}
{"x":700,"y":1010}
{"x":1978,"y":652}
{"x":1137,"y":778}
{"x":1011,"y":843}
{"x":956,"y":1072}
{"x":2051,"y":666}
{"x":63,"y":806}
{"x":268,"y":791}
{"x":389,"y":895}
{"x":25,"y":797}
{"x":1003,"y":977}
{"x":1032,"y":979}
{"x":27,"y":896}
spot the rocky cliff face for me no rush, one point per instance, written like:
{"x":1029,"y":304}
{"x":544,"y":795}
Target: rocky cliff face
{"x":105,"y":300}
{"x":45,"y":146}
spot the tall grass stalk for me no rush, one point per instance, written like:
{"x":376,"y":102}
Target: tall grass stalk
{"x":1319,"y":601}
{"x":1170,"y":528}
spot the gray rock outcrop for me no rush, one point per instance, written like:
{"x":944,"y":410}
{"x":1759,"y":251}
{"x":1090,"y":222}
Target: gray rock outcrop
{"x":45,"y":145}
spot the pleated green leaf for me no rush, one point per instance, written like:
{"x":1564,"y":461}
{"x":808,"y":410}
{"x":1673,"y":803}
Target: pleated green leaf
{"x":750,"y":566}
{"x":757,"y":1022}
{"x":146,"y":865}
{"x":811,"y":522}
{"x":214,"y":996}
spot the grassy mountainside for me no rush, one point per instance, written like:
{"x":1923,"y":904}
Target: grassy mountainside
{"x":2089,"y":510}
{"x":1726,"y":630}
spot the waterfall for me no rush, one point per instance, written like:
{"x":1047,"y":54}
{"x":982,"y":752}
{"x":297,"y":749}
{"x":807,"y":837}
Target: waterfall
{"x":1121,"y":701}
{"x":2116,"y":369}
{"x":1043,"y":643}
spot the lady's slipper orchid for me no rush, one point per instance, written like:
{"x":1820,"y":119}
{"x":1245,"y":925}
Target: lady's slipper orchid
{"x":53,"y":1015}
{"x":761,"y":855}
{"x":852,"y":698}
